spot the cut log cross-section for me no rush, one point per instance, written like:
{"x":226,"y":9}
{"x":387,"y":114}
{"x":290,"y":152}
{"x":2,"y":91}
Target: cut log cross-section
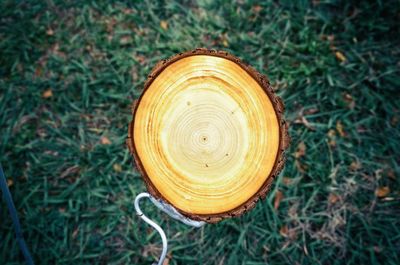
{"x":208,"y":134}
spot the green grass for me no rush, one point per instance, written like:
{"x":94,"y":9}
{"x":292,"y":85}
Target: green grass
{"x":76,"y":206}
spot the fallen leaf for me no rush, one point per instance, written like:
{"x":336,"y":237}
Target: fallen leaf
{"x":349,"y":100}
{"x":266,"y":248}
{"x":332,"y":138}
{"x":355,"y":165}
{"x":331,"y":133}
{"x":110,"y":23}
{"x":333,"y":198}
{"x":141,"y":59}
{"x":104,"y":140}
{"x":284,"y":231}
{"x":287,"y":181}
{"x":166,"y":261}
{"x":38,"y":71}
{"x":96,"y":130}
{"x":47,"y":94}
{"x":257,"y":8}
{"x":224,"y":40}
{"x":117,"y":168}
{"x":361,"y":129}
{"x":10,"y":182}
{"x":127,"y":11}
{"x":278,"y":199}
{"x":301,"y":150}
{"x":125,"y":40}
{"x":75,"y":232}
{"x":394,"y":120}
{"x":164,"y":24}
{"x":377,"y":249}
{"x":391,"y":174}
{"x":340,"y":56}
{"x":300,"y":167}
{"x":310,"y":111}
{"x":382,"y":191}
{"x":69,"y":171}
{"x":301,"y":119}
{"x":49,"y":32}
{"x":340,"y":129}
{"x":378,"y":173}
{"x":305,"y":250}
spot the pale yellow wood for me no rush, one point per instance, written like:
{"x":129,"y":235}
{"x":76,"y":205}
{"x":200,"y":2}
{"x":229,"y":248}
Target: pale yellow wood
{"x":206,"y":134}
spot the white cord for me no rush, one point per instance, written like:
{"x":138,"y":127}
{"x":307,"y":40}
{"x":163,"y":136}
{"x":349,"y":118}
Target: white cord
{"x":153,"y":224}
{"x":168,"y":209}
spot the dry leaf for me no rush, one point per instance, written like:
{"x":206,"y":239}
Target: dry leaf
{"x":301,"y":150}
{"x":125,"y":40}
{"x":331,"y":133}
{"x":75,"y":232}
{"x":224,"y":40}
{"x":278,"y":199}
{"x":287,"y":181}
{"x":355,"y":165}
{"x":166,"y":261}
{"x":38,"y":71}
{"x":141,"y":59}
{"x":332,"y":143}
{"x":310,"y":111}
{"x":300,"y":167}
{"x":339,"y":128}
{"x":382,"y":192}
{"x":47,"y":94}
{"x":69,"y":171}
{"x":284,"y":231}
{"x":110,"y":23}
{"x":105,"y":140}
{"x":127,"y":11}
{"x":377,"y":249}
{"x":394,"y":120}
{"x":391,"y":174}
{"x":257,"y":8}
{"x":164,"y":24}
{"x":333,"y":198}
{"x":10,"y":182}
{"x":305,"y":250}
{"x":301,"y":119}
{"x":50,"y":32}
{"x":349,"y":100}
{"x":340,"y":56}
{"x":117,"y":168}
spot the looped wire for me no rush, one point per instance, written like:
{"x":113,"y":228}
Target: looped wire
{"x":168,"y":209}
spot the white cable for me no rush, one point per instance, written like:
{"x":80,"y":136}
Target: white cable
{"x":153,"y":224}
{"x":168,"y":209}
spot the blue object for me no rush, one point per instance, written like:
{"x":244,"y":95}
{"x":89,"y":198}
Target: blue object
{"x":14,"y":217}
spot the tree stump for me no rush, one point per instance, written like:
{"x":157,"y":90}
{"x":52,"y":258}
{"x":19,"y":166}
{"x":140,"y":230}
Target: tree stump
{"x":208,"y":134}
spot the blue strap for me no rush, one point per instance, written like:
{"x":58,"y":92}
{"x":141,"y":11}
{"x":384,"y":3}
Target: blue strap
{"x":14,"y":217}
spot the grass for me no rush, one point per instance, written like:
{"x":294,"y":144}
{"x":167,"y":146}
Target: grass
{"x":69,"y":71}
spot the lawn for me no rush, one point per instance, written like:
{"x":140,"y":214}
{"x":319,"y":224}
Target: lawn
{"x":69,"y":71}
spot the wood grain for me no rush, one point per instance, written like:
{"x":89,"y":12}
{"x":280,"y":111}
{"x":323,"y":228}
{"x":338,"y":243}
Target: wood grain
{"x":207,"y":134}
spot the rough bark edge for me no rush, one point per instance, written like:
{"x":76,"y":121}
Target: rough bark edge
{"x":283,"y":136}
